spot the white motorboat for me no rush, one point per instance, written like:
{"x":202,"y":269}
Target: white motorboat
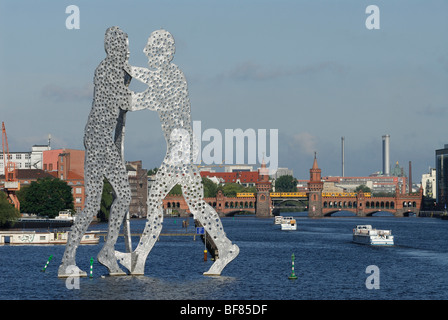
{"x":278,"y":219}
{"x":365,"y":234}
{"x":288,"y":223}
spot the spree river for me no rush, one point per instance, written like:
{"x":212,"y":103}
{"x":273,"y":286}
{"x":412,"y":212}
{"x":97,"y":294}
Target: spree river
{"x":327,"y":263}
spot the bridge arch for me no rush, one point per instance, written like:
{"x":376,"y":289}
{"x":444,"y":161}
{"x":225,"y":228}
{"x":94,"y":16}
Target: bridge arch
{"x":380,"y":213}
{"x":239,"y":211}
{"x":339,"y":212}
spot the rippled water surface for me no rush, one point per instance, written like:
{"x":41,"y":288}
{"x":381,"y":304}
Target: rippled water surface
{"x":327,"y":263}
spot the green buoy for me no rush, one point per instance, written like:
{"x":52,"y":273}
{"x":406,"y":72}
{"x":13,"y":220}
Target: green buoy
{"x":293,"y":275}
{"x":46,"y":265}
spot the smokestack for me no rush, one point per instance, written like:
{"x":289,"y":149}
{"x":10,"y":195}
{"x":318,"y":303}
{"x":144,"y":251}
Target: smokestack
{"x":410,"y":176}
{"x":386,"y":160}
{"x":343,"y":155}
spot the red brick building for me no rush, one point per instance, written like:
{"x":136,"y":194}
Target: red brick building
{"x":68,"y":165}
{"x":245,"y":178}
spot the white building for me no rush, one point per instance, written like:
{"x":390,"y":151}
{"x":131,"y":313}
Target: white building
{"x":25,"y":160}
{"x":238,"y":167}
{"x":429,"y":184}
{"x":282,"y":172}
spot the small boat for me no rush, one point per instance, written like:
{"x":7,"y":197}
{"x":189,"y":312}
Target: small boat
{"x":288,"y":223}
{"x":365,"y":234}
{"x":278,"y":219}
{"x":43,"y":238}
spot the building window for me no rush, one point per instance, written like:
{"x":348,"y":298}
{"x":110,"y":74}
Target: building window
{"x":78,"y":200}
{"x":78,"y":190}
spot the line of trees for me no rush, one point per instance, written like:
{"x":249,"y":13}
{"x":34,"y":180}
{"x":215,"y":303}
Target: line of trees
{"x":8,"y":214}
{"x":46,"y":197}
{"x":211,"y":189}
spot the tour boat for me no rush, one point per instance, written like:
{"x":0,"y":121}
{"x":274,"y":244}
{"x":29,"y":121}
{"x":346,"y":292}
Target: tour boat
{"x":289,"y":223}
{"x":365,"y":234}
{"x":27,"y":221}
{"x":42,"y":238}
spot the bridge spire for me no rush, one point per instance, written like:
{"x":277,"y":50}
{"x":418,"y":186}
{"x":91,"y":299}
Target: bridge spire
{"x":315,"y":187}
{"x":315,"y":166}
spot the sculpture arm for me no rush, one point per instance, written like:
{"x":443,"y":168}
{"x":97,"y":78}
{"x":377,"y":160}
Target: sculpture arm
{"x":139,"y":73}
{"x":143,"y":100}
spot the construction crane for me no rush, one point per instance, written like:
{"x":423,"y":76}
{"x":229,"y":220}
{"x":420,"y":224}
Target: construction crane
{"x":11,"y":183}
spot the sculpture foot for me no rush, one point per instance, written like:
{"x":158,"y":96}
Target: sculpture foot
{"x":110,"y":262}
{"x":222,"y":261}
{"x":66,"y":271}
{"x":131,"y":261}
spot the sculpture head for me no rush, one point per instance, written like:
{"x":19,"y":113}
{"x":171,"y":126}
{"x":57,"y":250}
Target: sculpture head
{"x":160,"y":48}
{"x":116,"y":44}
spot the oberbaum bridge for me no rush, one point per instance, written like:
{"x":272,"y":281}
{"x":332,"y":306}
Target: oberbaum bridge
{"x":266,"y":204}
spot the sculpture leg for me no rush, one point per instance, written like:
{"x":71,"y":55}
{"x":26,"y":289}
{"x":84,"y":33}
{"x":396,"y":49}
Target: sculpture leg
{"x":226,"y":250}
{"x":119,"y":209}
{"x":209,"y":218}
{"x":135,"y":261}
{"x":82,"y":222}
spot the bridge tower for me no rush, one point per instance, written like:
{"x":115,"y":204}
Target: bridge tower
{"x":263,"y":185}
{"x":315,"y":187}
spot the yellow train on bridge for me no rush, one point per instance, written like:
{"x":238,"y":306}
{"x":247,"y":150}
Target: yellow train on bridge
{"x":303,"y":194}
{"x":288,"y":194}
{"x":344,"y":194}
{"x":245,"y":195}
{"x":274,"y":195}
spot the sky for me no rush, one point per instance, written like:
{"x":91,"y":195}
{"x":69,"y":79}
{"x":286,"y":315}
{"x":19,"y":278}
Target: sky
{"x":309,"y":69}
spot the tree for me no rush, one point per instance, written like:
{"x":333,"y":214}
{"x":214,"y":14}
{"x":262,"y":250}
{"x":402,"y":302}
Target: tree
{"x":107,"y":197}
{"x":363,"y":188}
{"x":8,"y":214}
{"x":152,"y":172}
{"x":286,"y":183}
{"x":231,"y":189}
{"x":210,"y":188}
{"x":176,"y":190}
{"x":46,"y":197}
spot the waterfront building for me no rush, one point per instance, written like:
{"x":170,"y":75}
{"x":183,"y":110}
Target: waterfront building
{"x":442,"y":176}
{"x":68,"y":165}
{"x":26,"y":160}
{"x":138,"y":181}
{"x":282,"y":172}
{"x":429,"y":184}
{"x":245,"y":178}
{"x":26,"y":176}
{"x":377,"y":184}
{"x":238,"y":167}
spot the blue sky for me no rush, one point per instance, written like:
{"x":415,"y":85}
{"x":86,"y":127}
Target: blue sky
{"x":310,"y":69}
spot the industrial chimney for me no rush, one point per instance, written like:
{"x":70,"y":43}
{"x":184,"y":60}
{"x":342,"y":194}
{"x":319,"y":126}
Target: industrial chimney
{"x":386,"y":159}
{"x":343,"y":156}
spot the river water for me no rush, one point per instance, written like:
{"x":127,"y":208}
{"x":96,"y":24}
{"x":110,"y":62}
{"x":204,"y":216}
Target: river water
{"x":328,"y":264}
